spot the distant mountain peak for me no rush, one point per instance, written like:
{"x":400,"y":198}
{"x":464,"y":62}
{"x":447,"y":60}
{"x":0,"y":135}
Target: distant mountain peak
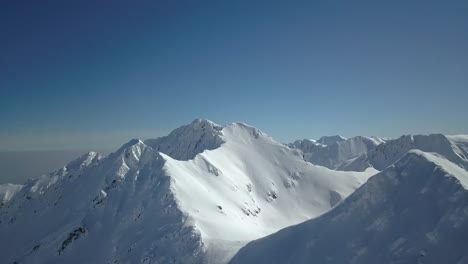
{"x":203,"y":122}
{"x":329,"y":140}
{"x":83,"y":161}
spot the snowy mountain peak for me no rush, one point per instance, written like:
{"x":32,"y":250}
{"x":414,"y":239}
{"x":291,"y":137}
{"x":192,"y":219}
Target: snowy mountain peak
{"x":185,"y":142}
{"x":83,"y":161}
{"x":129,"y":159}
{"x":199,"y":122}
{"x":132,"y":145}
{"x":240,"y":129}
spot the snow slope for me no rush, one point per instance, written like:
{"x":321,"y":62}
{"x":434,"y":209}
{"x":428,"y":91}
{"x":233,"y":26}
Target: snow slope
{"x":415,"y":211}
{"x":8,"y":190}
{"x":195,"y":196}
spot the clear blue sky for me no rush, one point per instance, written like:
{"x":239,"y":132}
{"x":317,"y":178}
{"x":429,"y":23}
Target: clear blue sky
{"x":81,"y":74}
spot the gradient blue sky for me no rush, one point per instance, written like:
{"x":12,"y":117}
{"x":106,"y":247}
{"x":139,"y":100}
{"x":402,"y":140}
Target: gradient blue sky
{"x":81,"y":74}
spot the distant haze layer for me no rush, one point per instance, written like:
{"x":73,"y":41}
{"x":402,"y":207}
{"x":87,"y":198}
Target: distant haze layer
{"x":17,"y":167}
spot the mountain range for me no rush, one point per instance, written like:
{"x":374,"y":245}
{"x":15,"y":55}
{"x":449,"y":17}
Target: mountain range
{"x":207,"y":193}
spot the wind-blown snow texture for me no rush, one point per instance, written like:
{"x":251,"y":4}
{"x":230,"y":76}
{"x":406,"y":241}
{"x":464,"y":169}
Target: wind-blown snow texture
{"x":195,"y":196}
{"x":415,"y":211}
{"x":204,"y":191}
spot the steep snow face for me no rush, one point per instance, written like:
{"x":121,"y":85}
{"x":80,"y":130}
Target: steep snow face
{"x":340,"y":155}
{"x":330,"y":140}
{"x":454,"y":150}
{"x":7,"y":191}
{"x":187,"y":141}
{"x":415,"y":211}
{"x":197,"y":204}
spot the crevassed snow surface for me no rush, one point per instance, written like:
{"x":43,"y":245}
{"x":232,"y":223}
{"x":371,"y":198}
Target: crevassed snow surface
{"x":195,"y":196}
{"x":415,"y":211}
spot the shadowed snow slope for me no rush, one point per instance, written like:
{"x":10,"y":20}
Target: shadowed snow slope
{"x":415,"y":211}
{"x":195,"y":196}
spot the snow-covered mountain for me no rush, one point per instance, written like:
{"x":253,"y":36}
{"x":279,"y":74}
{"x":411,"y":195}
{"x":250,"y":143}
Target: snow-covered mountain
{"x":360,"y":153}
{"x":454,"y":148}
{"x":205,"y":191}
{"x":415,"y":211}
{"x":195,"y":196}
{"x":338,"y":153}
